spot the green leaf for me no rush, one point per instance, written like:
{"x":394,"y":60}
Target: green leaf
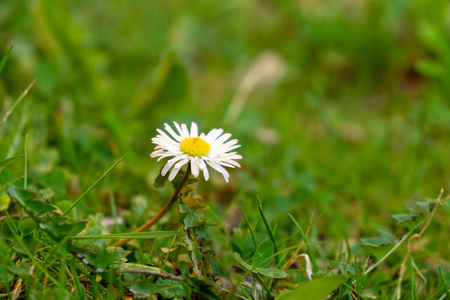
{"x":317,"y":289}
{"x":40,"y":207}
{"x":428,"y":205}
{"x":4,"y":201}
{"x":195,"y":253}
{"x":22,"y":269}
{"x":8,"y":161}
{"x":62,"y":227}
{"x":27,"y":226}
{"x":180,"y":291}
{"x":273,"y":273}
{"x":8,"y":229}
{"x":160,"y":181}
{"x":140,"y":268}
{"x":70,"y":229}
{"x":138,"y":235}
{"x":93,"y":186}
{"x":5,"y":276}
{"x":403,"y":218}
{"x":263,"y":252}
{"x":379,"y":246}
{"x":144,"y":287}
{"x":20,"y":194}
{"x":63,"y":205}
{"x":102,"y":257}
{"x":242,"y":262}
{"x":27,"y":241}
{"x":194,"y":219}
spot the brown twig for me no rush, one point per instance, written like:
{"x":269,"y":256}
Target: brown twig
{"x":163,"y":211}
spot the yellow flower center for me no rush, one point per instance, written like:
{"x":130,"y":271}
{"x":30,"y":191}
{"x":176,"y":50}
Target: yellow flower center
{"x":195,"y":146}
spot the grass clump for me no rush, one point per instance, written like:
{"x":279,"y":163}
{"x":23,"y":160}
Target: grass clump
{"x":341,"y":111}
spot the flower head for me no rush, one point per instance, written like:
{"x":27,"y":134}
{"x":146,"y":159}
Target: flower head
{"x":183,"y":146}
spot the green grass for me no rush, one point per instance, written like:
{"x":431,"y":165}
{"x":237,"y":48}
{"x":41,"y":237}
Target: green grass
{"x":342,"y":110}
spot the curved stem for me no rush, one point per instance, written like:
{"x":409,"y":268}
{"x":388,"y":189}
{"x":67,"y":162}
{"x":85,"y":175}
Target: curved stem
{"x":163,"y":211}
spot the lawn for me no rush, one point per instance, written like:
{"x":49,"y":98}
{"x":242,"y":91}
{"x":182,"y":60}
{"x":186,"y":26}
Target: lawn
{"x":341,"y":110}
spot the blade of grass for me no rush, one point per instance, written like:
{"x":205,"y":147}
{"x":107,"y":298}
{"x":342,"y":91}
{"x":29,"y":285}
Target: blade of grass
{"x":28,"y":253}
{"x":269,"y":229}
{"x":137,"y":235}
{"x":304,"y":228}
{"x":248,"y":225}
{"x":93,"y":186}
{"x":62,"y":277}
{"x":4,"y":258}
{"x":358,"y":280}
{"x":395,"y":247}
{"x":17,"y":102}
{"x":255,"y":294}
{"x":112,"y":201}
{"x":444,"y":283}
{"x":4,"y":59}
{"x":308,"y":248}
{"x":353,"y":290}
{"x":168,"y":253}
{"x":264,"y":261}
{"x":98,"y":289}
{"x":413,"y":281}
{"x":110,"y":289}
{"x":8,"y":161}
{"x":25,"y":176}
{"x":78,"y":288}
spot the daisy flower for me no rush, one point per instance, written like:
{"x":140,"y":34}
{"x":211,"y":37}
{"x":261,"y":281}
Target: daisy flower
{"x":183,"y":147}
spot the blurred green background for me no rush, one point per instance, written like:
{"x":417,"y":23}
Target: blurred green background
{"x":341,"y":107}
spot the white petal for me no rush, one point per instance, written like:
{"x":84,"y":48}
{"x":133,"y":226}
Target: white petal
{"x":181,"y":163}
{"x":224,"y":149}
{"x":156,"y":153}
{"x":201,"y":164}
{"x":219,"y":168}
{"x":226,"y":164}
{"x":194,"y":130}
{"x":166,"y":137}
{"x":165,"y":155}
{"x":221,"y":140}
{"x":173,"y":173}
{"x":178,"y":128}
{"x":194,"y":167}
{"x":213,"y":135}
{"x":185,"y":131}
{"x":206,"y":173}
{"x":166,"y":168}
{"x":169,"y":164}
{"x":170,"y":130}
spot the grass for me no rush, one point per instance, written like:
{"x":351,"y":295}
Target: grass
{"x":341,"y":110}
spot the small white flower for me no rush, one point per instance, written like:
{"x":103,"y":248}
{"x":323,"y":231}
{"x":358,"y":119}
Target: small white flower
{"x":186,"y":146}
